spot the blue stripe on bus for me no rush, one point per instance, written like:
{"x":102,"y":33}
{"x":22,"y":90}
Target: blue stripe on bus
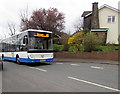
{"x":28,"y":60}
{"x":10,"y":58}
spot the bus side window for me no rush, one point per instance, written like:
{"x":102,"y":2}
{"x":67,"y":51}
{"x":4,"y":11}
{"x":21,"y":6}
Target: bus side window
{"x":21,"y":48}
{"x":25,"y":40}
{"x":2,"y":50}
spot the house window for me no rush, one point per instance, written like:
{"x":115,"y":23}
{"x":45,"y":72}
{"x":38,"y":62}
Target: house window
{"x":111,"y":19}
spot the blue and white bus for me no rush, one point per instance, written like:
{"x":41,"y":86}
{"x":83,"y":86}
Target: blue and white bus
{"x":29,"y":46}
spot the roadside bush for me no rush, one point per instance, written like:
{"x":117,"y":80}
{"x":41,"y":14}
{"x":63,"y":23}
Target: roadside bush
{"x":91,"y":41}
{"x":58,"y":48}
{"x":72,"y":48}
{"x":117,"y":48}
{"x":76,"y":38}
{"x":107,"y":48}
{"x":66,"y":47}
{"x":81,"y":48}
{"x":75,"y":41}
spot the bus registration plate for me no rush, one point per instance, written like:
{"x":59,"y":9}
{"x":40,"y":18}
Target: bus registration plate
{"x":42,"y":60}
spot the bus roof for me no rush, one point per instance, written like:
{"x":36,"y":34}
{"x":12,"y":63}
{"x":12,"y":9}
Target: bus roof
{"x":29,"y":30}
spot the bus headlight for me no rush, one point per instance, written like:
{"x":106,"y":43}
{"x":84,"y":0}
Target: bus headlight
{"x":51,"y":56}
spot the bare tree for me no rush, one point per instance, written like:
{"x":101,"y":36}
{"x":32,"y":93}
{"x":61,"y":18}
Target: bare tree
{"x":24,"y":17}
{"x":12,"y":28}
{"x":78,"y":25}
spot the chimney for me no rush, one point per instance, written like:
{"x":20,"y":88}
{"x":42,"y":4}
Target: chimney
{"x":95,"y":16}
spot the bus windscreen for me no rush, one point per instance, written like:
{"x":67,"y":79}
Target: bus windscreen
{"x":40,"y":41}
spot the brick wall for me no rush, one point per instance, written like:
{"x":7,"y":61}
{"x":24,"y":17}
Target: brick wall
{"x":89,"y":55}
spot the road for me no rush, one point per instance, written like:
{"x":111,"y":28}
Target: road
{"x":59,"y":77}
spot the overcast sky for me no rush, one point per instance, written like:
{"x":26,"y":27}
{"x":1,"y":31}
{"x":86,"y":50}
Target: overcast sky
{"x":73,"y":9}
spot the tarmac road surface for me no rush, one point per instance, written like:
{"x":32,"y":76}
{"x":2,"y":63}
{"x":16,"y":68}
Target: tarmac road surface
{"x":60,"y":77}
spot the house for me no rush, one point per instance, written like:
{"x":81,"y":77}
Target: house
{"x":103,"y":21}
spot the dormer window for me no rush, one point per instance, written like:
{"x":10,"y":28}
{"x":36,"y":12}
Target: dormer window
{"x":111,"y":19}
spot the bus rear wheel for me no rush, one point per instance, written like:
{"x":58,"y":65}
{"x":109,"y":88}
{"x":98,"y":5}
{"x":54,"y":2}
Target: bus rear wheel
{"x":2,"y":57}
{"x":18,"y":60}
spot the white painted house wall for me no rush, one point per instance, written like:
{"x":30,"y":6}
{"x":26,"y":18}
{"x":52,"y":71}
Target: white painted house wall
{"x":112,"y":33}
{"x":119,"y":27}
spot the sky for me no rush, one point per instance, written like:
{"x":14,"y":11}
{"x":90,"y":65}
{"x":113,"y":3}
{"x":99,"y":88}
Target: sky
{"x":73,"y":9}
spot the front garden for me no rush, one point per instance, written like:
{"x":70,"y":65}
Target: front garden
{"x":85,"y":41}
{"x":72,"y":48}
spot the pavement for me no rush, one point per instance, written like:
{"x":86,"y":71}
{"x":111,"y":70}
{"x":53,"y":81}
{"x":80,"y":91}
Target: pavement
{"x":96,"y":61}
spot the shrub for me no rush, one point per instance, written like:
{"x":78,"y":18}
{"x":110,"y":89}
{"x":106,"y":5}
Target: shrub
{"x":76,"y":38}
{"x":91,"y":41}
{"x":117,"y":48}
{"x":72,"y":49}
{"x":81,"y":48}
{"x":107,"y":48}
{"x":66,"y":47}
{"x":58,"y":48}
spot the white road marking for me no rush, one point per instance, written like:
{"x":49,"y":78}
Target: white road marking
{"x":99,"y":85}
{"x":95,"y":67}
{"x":38,"y":69}
{"x":59,"y":63}
{"x":75,"y":64}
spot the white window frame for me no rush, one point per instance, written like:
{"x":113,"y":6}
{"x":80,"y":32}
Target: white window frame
{"x":111,"y":19}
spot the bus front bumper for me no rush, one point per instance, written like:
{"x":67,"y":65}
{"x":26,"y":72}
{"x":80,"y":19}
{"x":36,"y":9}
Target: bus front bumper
{"x":27,"y":60}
